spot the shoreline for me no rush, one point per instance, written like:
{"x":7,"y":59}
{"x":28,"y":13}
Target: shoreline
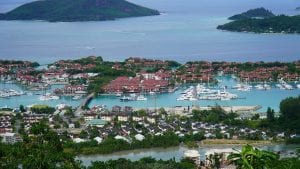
{"x":210,"y":143}
{"x":175,"y":152}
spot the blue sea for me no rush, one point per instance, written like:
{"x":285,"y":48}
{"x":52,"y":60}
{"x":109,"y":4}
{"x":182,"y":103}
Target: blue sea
{"x":186,"y":30}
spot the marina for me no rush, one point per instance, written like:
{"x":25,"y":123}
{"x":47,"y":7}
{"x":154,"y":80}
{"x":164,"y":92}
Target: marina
{"x":228,"y":92}
{"x":26,"y":97}
{"x":235,"y":94}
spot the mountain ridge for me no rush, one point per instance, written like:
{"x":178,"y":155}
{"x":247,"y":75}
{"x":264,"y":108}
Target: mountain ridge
{"x":253,"y":13}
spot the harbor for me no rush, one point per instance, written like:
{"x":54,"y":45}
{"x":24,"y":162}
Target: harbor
{"x":228,"y":93}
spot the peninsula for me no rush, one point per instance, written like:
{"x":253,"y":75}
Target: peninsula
{"x":79,"y":10}
{"x":262,"y":21}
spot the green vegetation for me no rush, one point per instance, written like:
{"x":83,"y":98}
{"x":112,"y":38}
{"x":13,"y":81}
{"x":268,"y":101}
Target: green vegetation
{"x":79,"y":10}
{"x":110,"y":145}
{"x":45,"y":150}
{"x":107,"y":73}
{"x":42,"y":150}
{"x":143,"y":163}
{"x":42,"y":109}
{"x":288,"y":120}
{"x":260,"y":20}
{"x":253,"y":13}
{"x":252,"y":158}
{"x":7,"y":62}
{"x":276,"y":24}
{"x":290,"y":114}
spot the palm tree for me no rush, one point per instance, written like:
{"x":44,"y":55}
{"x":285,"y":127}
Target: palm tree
{"x":252,"y":158}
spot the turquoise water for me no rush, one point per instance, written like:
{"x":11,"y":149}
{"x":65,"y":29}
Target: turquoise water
{"x":169,"y":153}
{"x":265,"y":98}
{"x":187,"y":31}
{"x":15,"y":101}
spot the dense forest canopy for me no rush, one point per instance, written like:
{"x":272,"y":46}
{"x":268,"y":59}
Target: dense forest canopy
{"x":253,"y":13}
{"x":278,"y":24}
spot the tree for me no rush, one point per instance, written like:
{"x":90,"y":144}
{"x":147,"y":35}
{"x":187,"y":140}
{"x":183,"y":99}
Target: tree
{"x":22,"y":109}
{"x":270,"y":115}
{"x":255,"y":117}
{"x":252,"y":158}
{"x":83,"y":134}
{"x":290,"y":114}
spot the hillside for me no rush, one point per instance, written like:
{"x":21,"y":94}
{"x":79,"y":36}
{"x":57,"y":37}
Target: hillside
{"x":277,"y":24}
{"x":77,"y":10}
{"x":260,"y":13}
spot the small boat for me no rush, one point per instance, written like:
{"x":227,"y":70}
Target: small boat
{"x":48,"y":96}
{"x":152,"y":93}
{"x":125,"y":98}
{"x":77,"y":97}
{"x":280,"y":86}
{"x":141,"y":98}
{"x":287,"y":86}
{"x":259,"y":87}
{"x":118,"y":94}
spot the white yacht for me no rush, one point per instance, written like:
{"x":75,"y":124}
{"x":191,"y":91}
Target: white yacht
{"x":77,"y":97}
{"x":118,"y":94}
{"x":259,"y":87}
{"x":280,"y":86}
{"x":141,"y":98}
{"x":48,"y":96}
{"x":152,"y":93}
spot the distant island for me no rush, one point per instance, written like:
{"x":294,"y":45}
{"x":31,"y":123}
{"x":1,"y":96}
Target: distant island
{"x":261,"y":20}
{"x":77,"y":10}
{"x":258,"y":13}
{"x":298,"y":8}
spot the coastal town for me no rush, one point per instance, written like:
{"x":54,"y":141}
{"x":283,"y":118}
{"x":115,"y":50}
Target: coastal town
{"x":136,"y":80}
{"x":140,"y":84}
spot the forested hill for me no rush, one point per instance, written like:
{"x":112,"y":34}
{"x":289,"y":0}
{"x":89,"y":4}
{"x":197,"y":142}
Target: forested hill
{"x":253,"y":13}
{"x":77,"y":10}
{"x":271,"y":24}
